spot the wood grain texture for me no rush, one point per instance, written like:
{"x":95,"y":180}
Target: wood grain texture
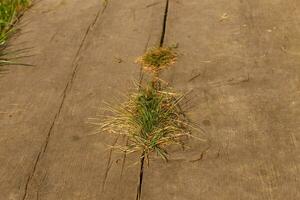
{"x":239,"y":59}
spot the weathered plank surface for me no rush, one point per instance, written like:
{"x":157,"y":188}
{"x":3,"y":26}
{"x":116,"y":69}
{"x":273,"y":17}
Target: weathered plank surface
{"x":30,"y":97}
{"x":241,"y":58}
{"x":85,"y":55}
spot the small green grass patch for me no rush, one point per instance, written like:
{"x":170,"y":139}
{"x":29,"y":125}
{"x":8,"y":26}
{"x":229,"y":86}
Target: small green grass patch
{"x":150,"y":119}
{"x":156,"y":59}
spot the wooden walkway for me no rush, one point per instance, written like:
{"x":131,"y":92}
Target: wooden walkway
{"x":240,"y":59}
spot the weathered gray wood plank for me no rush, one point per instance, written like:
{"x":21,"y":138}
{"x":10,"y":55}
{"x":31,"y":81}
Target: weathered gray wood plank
{"x":74,"y":164}
{"x":241,"y":58}
{"x":30,"y":97}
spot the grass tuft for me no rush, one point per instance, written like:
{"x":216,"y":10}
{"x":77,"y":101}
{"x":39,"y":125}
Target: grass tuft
{"x":151,"y":121}
{"x":157,"y":59}
{"x":10,"y":11}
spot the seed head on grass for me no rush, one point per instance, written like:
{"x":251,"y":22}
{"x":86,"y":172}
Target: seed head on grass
{"x":156,"y":59}
{"x":151,"y":121}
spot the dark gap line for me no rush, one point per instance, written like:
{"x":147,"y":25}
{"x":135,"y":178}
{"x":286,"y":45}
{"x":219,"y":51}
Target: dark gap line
{"x":163,"y":33}
{"x":140,"y":184}
{"x":142,"y":160}
{"x":124,"y":161}
{"x":31,"y":175}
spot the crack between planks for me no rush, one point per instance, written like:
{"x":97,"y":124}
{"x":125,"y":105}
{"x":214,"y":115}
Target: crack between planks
{"x":164,"y":26}
{"x":141,"y":176}
{"x":67,"y":87}
{"x":142,"y":159}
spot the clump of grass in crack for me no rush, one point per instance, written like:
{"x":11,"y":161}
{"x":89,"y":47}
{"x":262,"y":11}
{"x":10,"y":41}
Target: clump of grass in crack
{"x":156,"y":59}
{"x":151,"y":121}
{"x":151,"y":118}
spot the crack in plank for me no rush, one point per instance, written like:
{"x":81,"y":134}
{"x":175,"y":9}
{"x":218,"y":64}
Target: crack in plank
{"x":164,"y":26}
{"x":31,"y":174}
{"x":109,"y":163}
{"x":123,"y":161}
{"x":152,"y":4}
{"x":140,"y":183}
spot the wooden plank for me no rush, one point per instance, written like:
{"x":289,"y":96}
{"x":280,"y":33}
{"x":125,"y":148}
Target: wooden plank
{"x":30,"y":97}
{"x":76,"y":165}
{"x":241,"y":60}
